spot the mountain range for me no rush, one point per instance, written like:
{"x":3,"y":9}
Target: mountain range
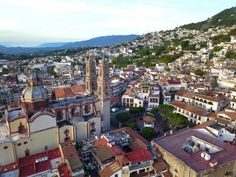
{"x":225,"y":18}
{"x":94,"y":42}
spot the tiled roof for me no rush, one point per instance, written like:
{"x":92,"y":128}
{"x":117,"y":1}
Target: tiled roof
{"x":166,"y":174}
{"x":174,"y":81}
{"x":139,"y":155}
{"x":64,"y":171}
{"x":28,"y":165}
{"x":190,"y":108}
{"x":147,"y":118}
{"x":232,"y":115}
{"x":76,"y":89}
{"x":181,"y":92}
{"x":103,"y":153}
{"x":69,"y":152}
{"x":159,"y":165}
{"x":173,"y":142}
{"x":68,"y":92}
{"x":110,"y":170}
{"x":63,"y":93}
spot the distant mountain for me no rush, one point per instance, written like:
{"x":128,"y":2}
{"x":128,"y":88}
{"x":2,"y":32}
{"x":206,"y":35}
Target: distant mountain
{"x":225,"y":18}
{"x":2,"y":46}
{"x":52,"y":44}
{"x":23,"y":50}
{"x":94,"y":42}
{"x":102,"y":41}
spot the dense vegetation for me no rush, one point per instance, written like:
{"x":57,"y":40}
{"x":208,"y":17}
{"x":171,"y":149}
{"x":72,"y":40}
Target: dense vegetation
{"x":170,"y":119}
{"x":148,"y":132}
{"x":225,"y":18}
{"x":146,"y":58}
{"x":231,"y":54}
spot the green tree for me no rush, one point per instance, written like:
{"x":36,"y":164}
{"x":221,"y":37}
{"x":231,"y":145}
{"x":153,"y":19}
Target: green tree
{"x":214,"y":83}
{"x":133,"y":125}
{"x":123,"y":117}
{"x":5,"y":71}
{"x":185,"y":44}
{"x":177,"y":120}
{"x":144,"y":52}
{"x":220,"y":38}
{"x":53,"y":73}
{"x":199,"y":72}
{"x":165,"y":109}
{"x":148,"y":132}
{"x":154,"y":111}
{"x":136,"y":110}
{"x":231,"y":55}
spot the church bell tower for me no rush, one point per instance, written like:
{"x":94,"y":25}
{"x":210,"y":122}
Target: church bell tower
{"x":103,"y":93}
{"x":91,"y":80}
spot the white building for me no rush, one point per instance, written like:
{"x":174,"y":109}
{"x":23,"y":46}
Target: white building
{"x":153,"y":100}
{"x":132,"y":100}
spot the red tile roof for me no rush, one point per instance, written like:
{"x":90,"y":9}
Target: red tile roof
{"x":116,"y":150}
{"x":77,"y":89}
{"x":68,"y":92}
{"x":139,"y":155}
{"x":148,"y":118}
{"x":28,"y":165}
{"x":181,"y":92}
{"x":128,"y":70}
{"x":190,"y":108}
{"x":64,"y":171}
{"x":110,"y":170}
{"x":174,"y":81}
{"x":232,"y":115}
{"x":166,"y":174}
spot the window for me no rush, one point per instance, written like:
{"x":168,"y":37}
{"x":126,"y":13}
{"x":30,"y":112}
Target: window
{"x":116,"y":175}
{"x":19,"y":144}
{"x":5,"y":147}
{"x":25,"y":142}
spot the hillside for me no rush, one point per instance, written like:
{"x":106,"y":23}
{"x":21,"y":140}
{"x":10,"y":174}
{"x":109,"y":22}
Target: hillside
{"x":225,"y":18}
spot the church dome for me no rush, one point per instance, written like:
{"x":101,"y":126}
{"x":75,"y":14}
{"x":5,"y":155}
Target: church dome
{"x":34,"y":93}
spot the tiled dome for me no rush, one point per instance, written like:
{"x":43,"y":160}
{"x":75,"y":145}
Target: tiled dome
{"x":34,"y":93}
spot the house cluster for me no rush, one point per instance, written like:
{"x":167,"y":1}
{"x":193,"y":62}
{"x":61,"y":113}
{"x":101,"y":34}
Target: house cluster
{"x":122,"y":152}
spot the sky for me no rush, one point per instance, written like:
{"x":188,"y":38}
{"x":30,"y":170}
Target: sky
{"x":32,"y":22}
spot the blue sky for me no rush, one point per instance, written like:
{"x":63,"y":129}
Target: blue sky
{"x":31,"y":22}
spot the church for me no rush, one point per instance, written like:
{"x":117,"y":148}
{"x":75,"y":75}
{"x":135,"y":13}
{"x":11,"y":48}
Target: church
{"x":42,"y":126}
